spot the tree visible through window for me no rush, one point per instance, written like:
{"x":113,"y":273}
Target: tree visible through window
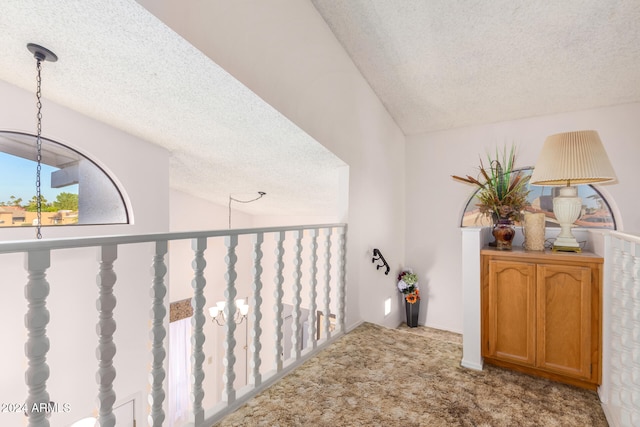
{"x":74,"y":190}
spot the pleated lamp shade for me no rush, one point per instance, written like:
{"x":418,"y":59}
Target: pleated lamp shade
{"x":573,"y":158}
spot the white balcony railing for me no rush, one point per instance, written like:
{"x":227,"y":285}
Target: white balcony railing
{"x":318,"y":287}
{"x":620,"y":390}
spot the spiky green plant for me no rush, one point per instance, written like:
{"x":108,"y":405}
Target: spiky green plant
{"x":502,"y":188}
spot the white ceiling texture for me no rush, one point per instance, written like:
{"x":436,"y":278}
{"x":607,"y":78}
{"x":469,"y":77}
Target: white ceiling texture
{"x":435,"y":64}
{"x":441,"y":64}
{"x":119,"y":64}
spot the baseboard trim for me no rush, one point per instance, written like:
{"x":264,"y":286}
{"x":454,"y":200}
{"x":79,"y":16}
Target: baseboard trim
{"x":609,"y":414}
{"x":472,"y":365}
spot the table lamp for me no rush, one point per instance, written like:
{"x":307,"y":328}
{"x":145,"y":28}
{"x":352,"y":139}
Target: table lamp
{"x":569,"y":159}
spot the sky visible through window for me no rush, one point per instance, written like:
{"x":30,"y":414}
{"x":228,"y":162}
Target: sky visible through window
{"x":18,"y":178}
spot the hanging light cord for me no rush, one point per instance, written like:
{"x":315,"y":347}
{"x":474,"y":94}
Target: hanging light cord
{"x":261,"y":194}
{"x":39,"y":147}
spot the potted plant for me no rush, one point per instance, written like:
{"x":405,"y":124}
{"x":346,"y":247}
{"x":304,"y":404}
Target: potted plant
{"x":408,"y":285}
{"x":502,"y":193}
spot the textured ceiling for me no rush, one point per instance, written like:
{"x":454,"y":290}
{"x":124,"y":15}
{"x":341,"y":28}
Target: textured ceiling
{"x":435,"y":64}
{"x":121,"y":65}
{"x":441,"y":64}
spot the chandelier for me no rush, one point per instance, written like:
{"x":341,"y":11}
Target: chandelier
{"x":217,"y":312}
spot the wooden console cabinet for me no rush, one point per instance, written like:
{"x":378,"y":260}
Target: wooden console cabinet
{"x":541,"y":314}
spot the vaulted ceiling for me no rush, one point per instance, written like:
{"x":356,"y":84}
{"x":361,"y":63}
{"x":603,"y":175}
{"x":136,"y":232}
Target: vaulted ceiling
{"x":440,"y":64}
{"x":435,"y":64}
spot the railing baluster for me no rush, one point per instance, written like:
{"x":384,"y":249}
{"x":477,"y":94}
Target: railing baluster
{"x":158,"y":334}
{"x":325,"y":294}
{"x":313,"y":292}
{"x":198,"y":301}
{"x":616,"y":324}
{"x":623,"y":343}
{"x":342,"y":250}
{"x":37,"y":346}
{"x":106,"y":327}
{"x":256,"y":316}
{"x":327,"y":284}
{"x":296,"y":340}
{"x":278,"y":294}
{"x":230,"y":312}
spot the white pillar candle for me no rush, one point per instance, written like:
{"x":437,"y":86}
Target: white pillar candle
{"x":534,"y":231}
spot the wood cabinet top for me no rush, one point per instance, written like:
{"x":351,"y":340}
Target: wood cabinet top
{"x":546,"y":255}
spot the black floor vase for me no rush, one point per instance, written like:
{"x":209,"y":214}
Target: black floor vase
{"x":412,"y":313}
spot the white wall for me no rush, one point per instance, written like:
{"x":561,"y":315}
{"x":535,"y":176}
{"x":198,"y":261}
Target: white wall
{"x":435,"y":201}
{"x":143,"y":176}
{"x":285,"y":53}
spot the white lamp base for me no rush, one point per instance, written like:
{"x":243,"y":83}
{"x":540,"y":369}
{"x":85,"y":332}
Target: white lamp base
{"x":567,"y":207}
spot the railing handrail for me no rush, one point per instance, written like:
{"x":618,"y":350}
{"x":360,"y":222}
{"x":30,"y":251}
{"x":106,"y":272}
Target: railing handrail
{"x":635,"y":237}
{"x":83,"y":242}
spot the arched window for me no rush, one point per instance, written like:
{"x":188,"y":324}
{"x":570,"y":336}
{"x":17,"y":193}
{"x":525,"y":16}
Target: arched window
{"x":74,"y":189}
{"x":596,"y":212}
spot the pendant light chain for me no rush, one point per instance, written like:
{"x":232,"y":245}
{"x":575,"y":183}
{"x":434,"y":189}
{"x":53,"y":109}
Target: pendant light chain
{"x":39,"y":148}
{"x":40,"y":54}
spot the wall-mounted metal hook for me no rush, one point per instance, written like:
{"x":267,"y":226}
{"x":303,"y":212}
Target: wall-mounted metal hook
{"x":377,"y":256}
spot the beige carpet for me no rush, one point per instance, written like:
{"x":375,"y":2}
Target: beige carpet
{"x":376,"y":376}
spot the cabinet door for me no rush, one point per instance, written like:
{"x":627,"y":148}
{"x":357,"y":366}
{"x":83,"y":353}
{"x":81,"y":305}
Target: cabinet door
{"x":564,"y":319}
{"x":511,"y":311}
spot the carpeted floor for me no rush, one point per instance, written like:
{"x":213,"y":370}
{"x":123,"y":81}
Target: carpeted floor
{"x":376,"y":376}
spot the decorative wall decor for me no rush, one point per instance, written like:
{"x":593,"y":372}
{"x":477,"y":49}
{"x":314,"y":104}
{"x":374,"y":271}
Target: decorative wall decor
{"x":377,"y":256}
{"x":179,"y":310}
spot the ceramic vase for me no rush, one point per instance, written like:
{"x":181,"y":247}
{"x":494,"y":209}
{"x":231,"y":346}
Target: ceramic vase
{"x":504,"y":232}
